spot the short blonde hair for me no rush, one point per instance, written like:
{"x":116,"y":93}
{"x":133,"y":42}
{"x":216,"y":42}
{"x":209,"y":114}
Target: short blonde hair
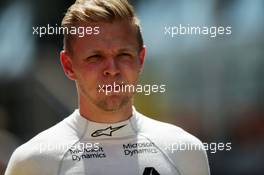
{"x":92,"y":11}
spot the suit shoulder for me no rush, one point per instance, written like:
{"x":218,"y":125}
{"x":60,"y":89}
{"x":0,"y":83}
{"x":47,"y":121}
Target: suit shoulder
{"x":179,"y":146}
{"x":42,"y":151}
{"x":167,"y":131}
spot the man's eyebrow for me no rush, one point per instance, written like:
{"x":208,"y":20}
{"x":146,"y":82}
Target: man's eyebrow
{"x":127,"y":49}
{"x":94,"y":52}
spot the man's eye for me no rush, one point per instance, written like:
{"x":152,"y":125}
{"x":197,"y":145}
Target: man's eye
{"x":93,"y":58}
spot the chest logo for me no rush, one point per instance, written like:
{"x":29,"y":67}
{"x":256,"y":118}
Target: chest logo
{"x":107,"y":131}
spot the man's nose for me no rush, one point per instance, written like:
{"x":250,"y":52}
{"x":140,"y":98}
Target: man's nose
{"x":111,"y":68}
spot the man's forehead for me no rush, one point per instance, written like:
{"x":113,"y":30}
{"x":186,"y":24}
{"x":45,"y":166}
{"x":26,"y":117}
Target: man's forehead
{"x":118,"y":34}
{"x":117,"y":49}
{"x":105,"y":49}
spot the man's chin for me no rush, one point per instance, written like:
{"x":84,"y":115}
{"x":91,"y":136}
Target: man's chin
{"x":113,"y":103}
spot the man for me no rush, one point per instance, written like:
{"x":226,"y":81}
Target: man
{"x":106,"y":135}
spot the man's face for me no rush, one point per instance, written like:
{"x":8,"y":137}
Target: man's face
{"x":112,"y":56}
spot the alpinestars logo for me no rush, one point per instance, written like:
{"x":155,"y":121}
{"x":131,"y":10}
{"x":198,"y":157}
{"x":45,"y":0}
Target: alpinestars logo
{"x":107,"y":131}
{"x":150,"y":171}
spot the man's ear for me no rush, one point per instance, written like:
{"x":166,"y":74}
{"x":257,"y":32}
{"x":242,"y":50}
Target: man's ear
{"x":142,"y":54}
{"x":66,"y":63}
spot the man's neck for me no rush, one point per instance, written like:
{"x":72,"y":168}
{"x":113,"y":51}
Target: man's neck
{"x":93,"y":113}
